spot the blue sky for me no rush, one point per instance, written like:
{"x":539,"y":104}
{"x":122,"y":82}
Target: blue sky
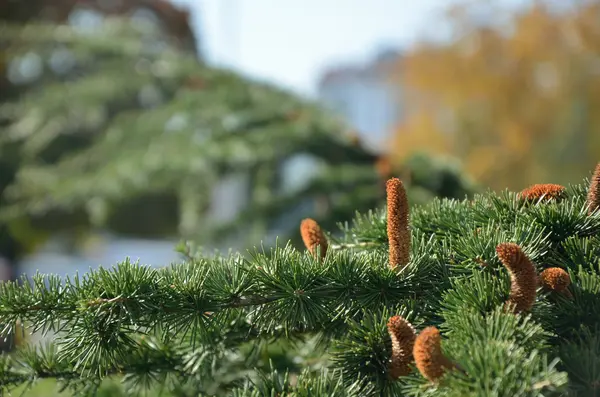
{"x":289,"y":42}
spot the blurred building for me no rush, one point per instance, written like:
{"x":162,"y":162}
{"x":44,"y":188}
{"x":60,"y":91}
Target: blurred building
{"x":365,"y":96}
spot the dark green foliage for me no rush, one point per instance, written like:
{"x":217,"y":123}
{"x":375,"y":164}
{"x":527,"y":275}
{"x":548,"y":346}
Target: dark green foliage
{"x":580,"y":357}
{"x":574,"y":252}
{"x":584,"y":309}
{"x":477,"y":294}
{"x":281,"y":322}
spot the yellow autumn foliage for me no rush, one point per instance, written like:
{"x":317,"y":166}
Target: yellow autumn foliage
{"x":515,"y":102}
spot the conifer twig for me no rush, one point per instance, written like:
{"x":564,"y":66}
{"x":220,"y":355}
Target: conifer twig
{"x":427,"y":351}
{"x":403,"y":337}
{"x":523,"y":277}
{"x":398,"y":231}
{"x":543,"y":192}
{"x":557,"y":280}
{"x":313,"y":237}
{"x":593,"y":196}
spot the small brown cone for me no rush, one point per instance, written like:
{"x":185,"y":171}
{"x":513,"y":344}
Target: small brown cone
{"x":313,"y":236}
{"x":403,"y":337}
{"x":397,"y":223}
{"x":593,"y":196}
{"x":523,"y":277}
{"x":557,"y":280}
{"x":427,"y":351}
{"x":544,"y":192}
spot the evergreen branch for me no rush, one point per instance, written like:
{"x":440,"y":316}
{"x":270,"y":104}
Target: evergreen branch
{"x":132,"y":295}
{"x":47,"y":361}
{"x":286,"y":292}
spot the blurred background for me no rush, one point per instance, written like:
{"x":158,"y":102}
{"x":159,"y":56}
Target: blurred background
{"x":129,"y":125}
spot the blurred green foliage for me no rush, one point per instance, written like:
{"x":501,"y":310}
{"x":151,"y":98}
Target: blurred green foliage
{"x":132,"y":134}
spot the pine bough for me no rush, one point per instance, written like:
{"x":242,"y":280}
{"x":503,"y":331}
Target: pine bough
{"x":497,"y":296}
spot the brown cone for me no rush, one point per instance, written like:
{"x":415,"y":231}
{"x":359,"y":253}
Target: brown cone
{"x":523,"y":277}
{"x":557,"y":280}
{"x":313,"y":236}
{"x":403,"y":337}
{"x":427,"y":351}
{"x":545,"y":192}
{"x":397,"y":223}
{"x":593,"y":196}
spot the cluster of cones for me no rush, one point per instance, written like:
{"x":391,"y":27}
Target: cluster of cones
{"x":425,"y":348}
{"x":398,"y":230}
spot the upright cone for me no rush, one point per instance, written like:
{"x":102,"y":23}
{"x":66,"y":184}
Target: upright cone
{"x":313,"y":236}
{"x":397,"y":223}
{"x":593,"y":197}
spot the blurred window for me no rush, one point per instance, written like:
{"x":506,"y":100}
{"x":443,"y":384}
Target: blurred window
{"x":298,"y":171}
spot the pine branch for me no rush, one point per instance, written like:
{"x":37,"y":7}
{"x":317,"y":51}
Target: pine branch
{"x":285,"y":292}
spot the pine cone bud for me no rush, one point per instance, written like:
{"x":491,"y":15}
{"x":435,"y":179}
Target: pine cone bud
{"x":313,"y":236}
{"x":593,"y":197}
{"x":523,"y":277}
{"x":557,"y":280}
{"x":397,"y":223}
{"x":403,"y":337}
{"x":427,"y":351}
{"x":544,"y":192}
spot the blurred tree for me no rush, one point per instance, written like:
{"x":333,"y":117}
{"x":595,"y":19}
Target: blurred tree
{"x":511,"y":94}
{"x":117,"y":128}
{"x":120,"y":129}
{"x":24,"y":73}
{"x":173,"y":21}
